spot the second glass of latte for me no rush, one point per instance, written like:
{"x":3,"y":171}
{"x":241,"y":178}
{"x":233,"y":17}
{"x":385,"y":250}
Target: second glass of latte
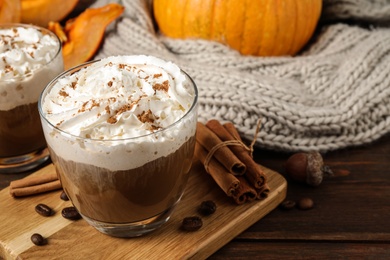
{"x":30,"y":57}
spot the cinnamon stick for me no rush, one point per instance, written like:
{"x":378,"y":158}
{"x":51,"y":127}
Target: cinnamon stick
{"x":228,"y":132}
{"x":34,"y":180}
{"x":245,"y":191}
{"x":212,"y":143}
{"x":34,"y":185}
{"x":36,"y":189}
{"x":263,"y":192}
{"x":225,"y":180}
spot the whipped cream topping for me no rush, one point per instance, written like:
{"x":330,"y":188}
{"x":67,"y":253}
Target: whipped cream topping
{"x":114,"y":100}
{"x":29,"y":58}
{"x":24,"y":50}
{"x":118,"y":98}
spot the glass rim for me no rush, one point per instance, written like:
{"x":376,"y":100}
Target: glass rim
{"x":88,"y":63}
{"x":43,"y":30}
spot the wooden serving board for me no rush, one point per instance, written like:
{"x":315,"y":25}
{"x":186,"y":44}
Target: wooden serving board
{"x":77,"y":240}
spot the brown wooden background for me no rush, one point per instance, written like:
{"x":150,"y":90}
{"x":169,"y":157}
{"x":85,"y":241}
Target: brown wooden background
{"x":350,"y":219}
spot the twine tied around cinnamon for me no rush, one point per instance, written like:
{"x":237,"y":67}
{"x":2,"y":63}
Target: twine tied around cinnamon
{"x":232,"y":168}
{"x":237,"y":142}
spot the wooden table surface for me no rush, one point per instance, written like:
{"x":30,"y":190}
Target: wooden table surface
{"x":350,"y":219}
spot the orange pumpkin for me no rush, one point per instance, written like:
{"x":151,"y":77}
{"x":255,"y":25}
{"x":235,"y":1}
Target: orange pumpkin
{"x":10,"y":11}
{"x":41,"y":12}
{"x":253,"y":27}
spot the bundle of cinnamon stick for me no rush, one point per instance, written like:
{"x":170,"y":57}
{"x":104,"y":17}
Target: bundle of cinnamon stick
{"x":229,"y":161}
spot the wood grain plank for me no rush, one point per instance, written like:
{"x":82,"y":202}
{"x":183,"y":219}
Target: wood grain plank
{"x":301,"y":250}
{"x":70,"y":240}
{"x":347,"y":208}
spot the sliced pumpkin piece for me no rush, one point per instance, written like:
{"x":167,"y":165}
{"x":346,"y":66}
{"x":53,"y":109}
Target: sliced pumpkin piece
{"x":10,"y":11}
{"x":41,"y":12}
{"x":58,"y":30}
{"x":86,"y":32}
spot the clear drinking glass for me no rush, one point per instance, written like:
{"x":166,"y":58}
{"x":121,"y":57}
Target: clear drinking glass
{"x":138,"y":198}
{"x":26,"y":68}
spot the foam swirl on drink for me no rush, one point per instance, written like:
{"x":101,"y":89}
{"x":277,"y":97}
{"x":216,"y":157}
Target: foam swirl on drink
{"x":116,"y":100}
{"x":25,"y":53}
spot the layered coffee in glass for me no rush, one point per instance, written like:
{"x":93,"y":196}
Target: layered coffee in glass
{"x":30,"y":57}
{"x":121,"y":134}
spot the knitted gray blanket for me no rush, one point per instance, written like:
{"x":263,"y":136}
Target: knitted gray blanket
{"x":334,"y":94}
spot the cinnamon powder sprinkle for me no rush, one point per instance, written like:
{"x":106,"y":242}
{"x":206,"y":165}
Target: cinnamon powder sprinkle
{"x":149,"y":117}
{"x":112,"y":99}
{"x":73,"y":84}
{"x":95,"y":104}
{"x":124,"y":108}
{"x":107,"y":108}
{"x":63,"y":93}
{"x":59,"y":123}
{"x":157,"y":75}
{"x":146,"y":116}
{"x":112,"y":120}
{"x":154,"y":127}
{"x":163,"y":86}
{"x":84,"y":108}
{"x":8,"y":68}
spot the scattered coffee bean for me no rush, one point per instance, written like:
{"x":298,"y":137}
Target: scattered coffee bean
{"x":287,"y":204}
{"x":38,"y":239}
{"x":63,"y":196}
{"x":305,"y":203}
{"x":44,"y":210}
{"x":193,"y":223}
{"x":70,"y":213}
{"x":207,"y":208}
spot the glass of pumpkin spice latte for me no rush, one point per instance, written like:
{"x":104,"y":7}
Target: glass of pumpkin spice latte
{"x":121,"y":134}
{"x":30,"y":57}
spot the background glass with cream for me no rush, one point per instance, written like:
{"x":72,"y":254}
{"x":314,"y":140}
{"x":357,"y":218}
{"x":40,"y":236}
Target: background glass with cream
{"x":121,"y":133}
{"x":30,"y":57}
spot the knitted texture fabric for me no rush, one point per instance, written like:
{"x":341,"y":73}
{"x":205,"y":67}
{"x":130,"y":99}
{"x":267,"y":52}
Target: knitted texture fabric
{"x":332,"y":95}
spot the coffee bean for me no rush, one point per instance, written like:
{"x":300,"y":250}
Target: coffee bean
{"x":191,"y":223}
{"x":44,"y":210}
{"x":287,"y":204}
{"x":70,"y":213}
{"x":38,"y":239}
{"x":305,"y":203}
{"x":63,"y":196}
{"x":207,"y":208}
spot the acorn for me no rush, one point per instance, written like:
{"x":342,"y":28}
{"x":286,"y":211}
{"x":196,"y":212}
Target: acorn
{"x":307,"y":168}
